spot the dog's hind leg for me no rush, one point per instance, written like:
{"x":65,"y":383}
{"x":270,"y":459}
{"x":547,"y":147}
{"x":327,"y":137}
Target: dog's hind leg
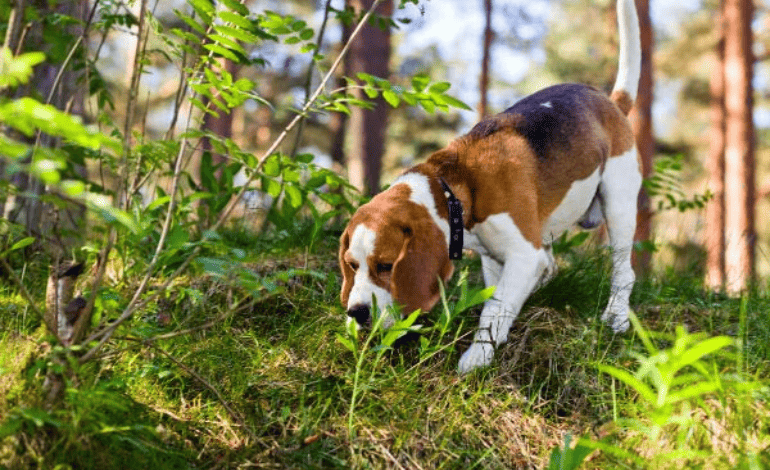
{"x":619,"y":190}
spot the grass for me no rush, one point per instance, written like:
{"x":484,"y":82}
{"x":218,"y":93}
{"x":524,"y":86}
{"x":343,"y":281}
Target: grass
{"x":260,"y":380}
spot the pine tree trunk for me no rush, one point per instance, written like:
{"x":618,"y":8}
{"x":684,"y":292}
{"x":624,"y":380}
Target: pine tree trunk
{"x":715,"y":210}
{"x":370,"y":53}
{"x":486,"y":46}
{"x":739,"y":147}
{"x":641,"y":120}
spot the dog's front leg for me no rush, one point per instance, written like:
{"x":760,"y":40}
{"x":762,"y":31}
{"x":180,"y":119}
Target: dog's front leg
{"x":520,"y":273}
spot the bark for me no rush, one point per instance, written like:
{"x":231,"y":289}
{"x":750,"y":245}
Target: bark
{"x":641,"y":120}
{"x":486,"y":47}
{"x":740,"y":234}
{"x":339,"y":121}
{"x":370,"y":53}
{"x":61,"y":227}
{"x":715,"y":210}
{"x":221,"y":125}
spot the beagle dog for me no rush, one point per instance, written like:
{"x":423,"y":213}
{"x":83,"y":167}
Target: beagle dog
{"x":562,"y":156}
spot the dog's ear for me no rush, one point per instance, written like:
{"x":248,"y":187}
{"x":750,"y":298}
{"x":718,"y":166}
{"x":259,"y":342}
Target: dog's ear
{"x":424,"y":258}
{"x":347,"y":272}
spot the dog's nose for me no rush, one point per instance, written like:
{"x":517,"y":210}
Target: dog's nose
{"x":360,"y":313}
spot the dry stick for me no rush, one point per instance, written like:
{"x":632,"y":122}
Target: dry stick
{"x":105,"y":334}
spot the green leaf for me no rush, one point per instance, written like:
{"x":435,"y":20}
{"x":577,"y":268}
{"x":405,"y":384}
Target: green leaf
{"x":477,"y":298}
{"x":428,"y":105}
{"x":194,"y":25}
{"x":17,"y":70}
{"x":236,"y":34}
{"x":568,"y":458}
{"x":400,"y":328}
{"x":236,"y":6}
{"x":367,"y":78}
{"x":229,"y":43}
{"x":455,"y":103}
{"x":692,"y":391}
{"x":222,"y":51}
{"x":294,"y":195}
{"x":307,"y":34}
{"x":28,"y":115}
{"x":214,"y":266}
{"x":235,"y":19}
{"x":419,"y":82}
{"x":157,"y":203}
{"x":102,"y":206}
{"x":701,"y":349}
{"x":391,"y":98}
{"x":371,"y":91}
{"x":347,"y":342}
{"x":439,"y":87}
{"x":271,"y":187}
{"x":73,"y":188}
{"x":24,"y":242}
{"x":643,"y":389}
{"x":203,"y":8}
{"x":272,"y":166}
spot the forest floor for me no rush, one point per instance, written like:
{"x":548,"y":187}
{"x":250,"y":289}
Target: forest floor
{"x":219,"y":376}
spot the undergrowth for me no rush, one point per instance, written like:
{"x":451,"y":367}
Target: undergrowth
{"x":215,"y":376}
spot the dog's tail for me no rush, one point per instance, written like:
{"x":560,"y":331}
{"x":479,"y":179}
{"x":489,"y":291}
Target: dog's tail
{"x":630,"y":57}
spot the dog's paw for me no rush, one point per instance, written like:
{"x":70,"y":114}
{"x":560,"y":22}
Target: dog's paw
{"x":617,"y":319}
{"x":478,"y":355}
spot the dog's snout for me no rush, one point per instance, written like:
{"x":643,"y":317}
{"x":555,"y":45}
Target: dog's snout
{"x":360,"y":313}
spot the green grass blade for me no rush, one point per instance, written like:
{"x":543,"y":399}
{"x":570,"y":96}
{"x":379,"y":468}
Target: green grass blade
{"x":643,"y":389}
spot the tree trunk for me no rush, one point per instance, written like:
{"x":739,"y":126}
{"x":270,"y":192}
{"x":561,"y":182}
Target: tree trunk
{"x":221,"y":125}
{"x":61,"y":227}
{"x":641,"y":120}
{"x":487,"y":45}
{"x":715,"y":210}
{"x":370,"y":53}
{"x":339,"y":121}
{"x":739,"y":147}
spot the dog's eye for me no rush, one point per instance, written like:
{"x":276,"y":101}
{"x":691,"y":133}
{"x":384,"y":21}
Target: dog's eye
{"x":353,"y":265}
{"x":384,"y":268}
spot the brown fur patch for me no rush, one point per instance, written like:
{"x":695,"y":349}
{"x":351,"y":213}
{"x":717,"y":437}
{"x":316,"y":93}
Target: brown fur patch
{"x":623,"y":100}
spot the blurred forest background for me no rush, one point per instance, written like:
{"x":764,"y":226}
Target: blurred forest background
{"x":492,"y":52}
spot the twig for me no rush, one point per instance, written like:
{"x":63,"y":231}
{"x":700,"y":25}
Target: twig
{"x":133,"y":87}
{"x":63,"y":67}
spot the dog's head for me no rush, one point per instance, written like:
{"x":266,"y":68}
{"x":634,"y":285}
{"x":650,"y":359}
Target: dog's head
{"x":392,"y":250}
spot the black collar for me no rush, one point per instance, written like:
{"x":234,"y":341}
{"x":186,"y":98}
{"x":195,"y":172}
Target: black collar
{"x":455,"y":208}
